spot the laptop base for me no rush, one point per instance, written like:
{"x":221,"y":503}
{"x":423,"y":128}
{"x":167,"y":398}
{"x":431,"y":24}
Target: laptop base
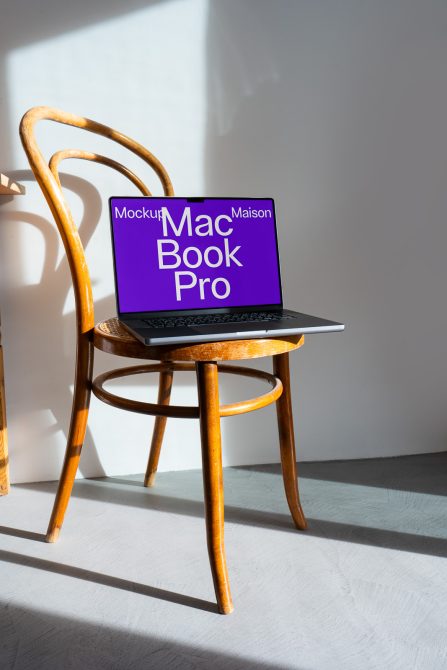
{"x":297,"y":325}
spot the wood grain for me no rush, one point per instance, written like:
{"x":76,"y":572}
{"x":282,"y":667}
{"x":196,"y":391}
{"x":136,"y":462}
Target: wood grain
{"x":164,"y":397}
{"x":287,"y":441}
{"x":112,"y":337}
{"x":96,"y":158}
{"x":4,"y":470}
{"x":47,"y":177}
{"x":208,"y":389}
{"x":76,"y":435}
{"x":49,"y":183}
{"x":7,"y":188}
{"x":181,"y":411}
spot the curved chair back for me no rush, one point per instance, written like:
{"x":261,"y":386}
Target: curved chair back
{"x":47,"y":176}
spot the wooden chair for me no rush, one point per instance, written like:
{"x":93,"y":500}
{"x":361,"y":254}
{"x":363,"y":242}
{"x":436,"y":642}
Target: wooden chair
{"x":4,"y":471}
{"x":8,"y":188}
{"x":205,"y":359}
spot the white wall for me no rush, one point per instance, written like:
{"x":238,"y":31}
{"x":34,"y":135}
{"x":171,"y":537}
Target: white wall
{"x":338,"y":110}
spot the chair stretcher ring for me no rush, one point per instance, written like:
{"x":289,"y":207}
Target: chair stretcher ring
{"x":182,"y":411}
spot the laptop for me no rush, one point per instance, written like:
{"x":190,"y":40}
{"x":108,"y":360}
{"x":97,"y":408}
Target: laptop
{"x":201,"y":269}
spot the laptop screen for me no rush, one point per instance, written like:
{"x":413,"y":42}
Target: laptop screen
{"x":194,"y":253}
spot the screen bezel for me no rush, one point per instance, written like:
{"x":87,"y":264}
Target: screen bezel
{"x":197,"y":310}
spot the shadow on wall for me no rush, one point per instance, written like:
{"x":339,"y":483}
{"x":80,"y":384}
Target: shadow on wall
{"x":107,"y":79}
{"x":45,"y":380}
{"x":30,"y":376}
{"x":338,"y":111}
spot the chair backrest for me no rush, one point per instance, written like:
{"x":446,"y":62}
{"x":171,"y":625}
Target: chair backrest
{"x":47,"y":176}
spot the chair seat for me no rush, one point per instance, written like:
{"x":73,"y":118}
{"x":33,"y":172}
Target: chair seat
{"x":112,"y":337}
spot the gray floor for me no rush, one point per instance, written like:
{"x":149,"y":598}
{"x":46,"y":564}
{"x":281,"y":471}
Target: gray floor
{"x":128,"y":584}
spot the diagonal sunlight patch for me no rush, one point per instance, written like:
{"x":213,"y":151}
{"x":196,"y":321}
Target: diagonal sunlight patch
{"x":155,"y":96}
{"x":353,"y":514}
{"x":260,"y":501}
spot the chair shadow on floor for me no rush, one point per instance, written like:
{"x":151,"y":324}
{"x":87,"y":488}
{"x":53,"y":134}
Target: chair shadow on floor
{"x":128,"y":491}
{"x":105,"y":580}
{"x":417,"y":473}
{"x":23,"y":534}
{"x":30,"y":633}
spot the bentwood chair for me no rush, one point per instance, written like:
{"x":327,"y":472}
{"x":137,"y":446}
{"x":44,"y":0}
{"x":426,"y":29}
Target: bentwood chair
{"x":4,"y":472}
{"x":205,"y":359}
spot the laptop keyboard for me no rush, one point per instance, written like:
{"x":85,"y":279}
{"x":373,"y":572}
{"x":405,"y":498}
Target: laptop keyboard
{"x":213,"y":319}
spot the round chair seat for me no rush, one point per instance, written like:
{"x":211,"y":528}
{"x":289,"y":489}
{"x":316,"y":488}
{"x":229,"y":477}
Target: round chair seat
{"x":112,"y":337}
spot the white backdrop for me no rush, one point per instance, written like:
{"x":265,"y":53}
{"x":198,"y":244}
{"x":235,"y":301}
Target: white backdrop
{"x":336,"y":109}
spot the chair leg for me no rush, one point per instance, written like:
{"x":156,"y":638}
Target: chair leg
{"x":208,"y":391}
{"x":287,"y":440}
{"x":76,"y":435}
{"x":164,"y":397}
{"x":4,"y":469}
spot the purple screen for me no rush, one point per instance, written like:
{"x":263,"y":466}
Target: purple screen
{"x":175,"y":254}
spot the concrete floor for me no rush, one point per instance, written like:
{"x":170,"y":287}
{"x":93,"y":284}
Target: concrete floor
{"x":128,"y":583}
